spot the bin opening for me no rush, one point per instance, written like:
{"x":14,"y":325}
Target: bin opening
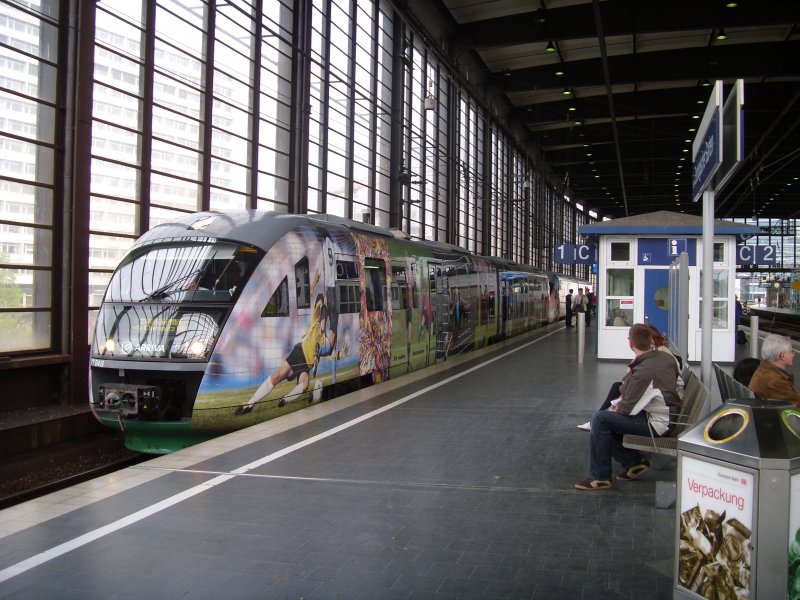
{"x":792,"y":420}
{"x":726,"y":426}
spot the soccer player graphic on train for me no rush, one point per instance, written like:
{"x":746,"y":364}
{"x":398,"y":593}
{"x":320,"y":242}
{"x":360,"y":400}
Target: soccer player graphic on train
{"x":302,"y":360}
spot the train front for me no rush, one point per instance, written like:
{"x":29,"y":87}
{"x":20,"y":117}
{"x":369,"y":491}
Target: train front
{"x":161,"y":316}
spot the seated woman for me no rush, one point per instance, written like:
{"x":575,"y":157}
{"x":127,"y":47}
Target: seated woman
{"x":744,"y":369}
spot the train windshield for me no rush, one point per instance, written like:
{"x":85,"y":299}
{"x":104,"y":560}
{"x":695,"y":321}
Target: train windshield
{"x":210,"y":272}
{"x":170,"y":301}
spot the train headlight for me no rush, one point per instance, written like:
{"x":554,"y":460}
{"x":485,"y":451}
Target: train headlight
{"x":197,"y":349}
{"x":109,"y":346}
{"x":111,"y":399}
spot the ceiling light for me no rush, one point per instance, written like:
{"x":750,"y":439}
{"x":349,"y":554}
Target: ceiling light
{"x":550,"y":47}
{"x":566,"y":92}
{"x":701,"y":101}
{"x":695,"y":116}
{"x":705,"y":83}
{"x":559,"y":73}
{"x":721,"y":34}
{"x":539,"y":17}
{"x":571,"y":108}
{"x":731,"y":4}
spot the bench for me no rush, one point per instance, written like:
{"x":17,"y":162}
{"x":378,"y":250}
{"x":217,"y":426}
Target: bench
{"x":729,"y":388}
{"x":695,"y":397}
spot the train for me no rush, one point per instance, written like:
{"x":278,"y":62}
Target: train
{"x":220,"y":320}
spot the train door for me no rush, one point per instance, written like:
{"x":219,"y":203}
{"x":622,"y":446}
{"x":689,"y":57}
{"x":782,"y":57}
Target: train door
{"x":422,"y":298}
{"x":505,"y":307}
{"x":440,"y":312}
{"x":343,"y":318}
{"x":402,"y":316}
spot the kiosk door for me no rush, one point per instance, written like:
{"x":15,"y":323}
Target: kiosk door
{"x":656,"y":298}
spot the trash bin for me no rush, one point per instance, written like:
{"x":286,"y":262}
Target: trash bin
{"x":738,"y":508}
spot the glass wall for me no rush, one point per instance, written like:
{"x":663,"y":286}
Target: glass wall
{"x":771,"y":286}
{"x":266,"y":104}
{"x":31,"y":172}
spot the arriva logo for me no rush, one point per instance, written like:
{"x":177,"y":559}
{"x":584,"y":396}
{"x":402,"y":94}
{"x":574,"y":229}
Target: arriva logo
{"x":128,"y":348}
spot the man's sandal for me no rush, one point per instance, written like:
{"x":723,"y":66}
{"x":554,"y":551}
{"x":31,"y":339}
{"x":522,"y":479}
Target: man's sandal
{"x":634,"y":472}
{"x":593,"y":485}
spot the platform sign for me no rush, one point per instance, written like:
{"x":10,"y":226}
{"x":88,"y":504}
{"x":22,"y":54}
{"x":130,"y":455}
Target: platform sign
{"x":756,"y":255}
{"x":570,"y":254}
{"x":707,"y":146}
{"x":732,"y":135}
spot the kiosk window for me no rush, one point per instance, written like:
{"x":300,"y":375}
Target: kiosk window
{"x":620,"y":251}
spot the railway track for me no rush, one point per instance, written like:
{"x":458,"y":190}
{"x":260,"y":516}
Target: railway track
{"x":33,"y":474}
{"x":774,"y":326}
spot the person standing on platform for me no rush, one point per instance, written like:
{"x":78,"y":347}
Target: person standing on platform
{"x":772,"y":378}
{"x":741,"y":338}
{"x":579,"y":305}
{"x":651,"y":370}
{"x":568,"y":304}
{"x":589,"y":306}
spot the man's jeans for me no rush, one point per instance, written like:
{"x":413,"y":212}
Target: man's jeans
{"x":607,"y":430}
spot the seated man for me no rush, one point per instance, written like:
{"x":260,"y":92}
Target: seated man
{"x":772,"y":378}
{"x":609,"y":426}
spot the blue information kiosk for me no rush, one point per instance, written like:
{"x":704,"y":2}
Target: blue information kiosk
{"x":634,"y":255}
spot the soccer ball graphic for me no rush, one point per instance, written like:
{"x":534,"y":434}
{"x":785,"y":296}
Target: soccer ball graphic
{"x":317,"y":393}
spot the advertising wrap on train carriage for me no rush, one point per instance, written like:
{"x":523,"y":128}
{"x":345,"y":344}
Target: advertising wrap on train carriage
{"x":716,"y":524}
{"x":294,"y":330}
{"x":794,"y":538}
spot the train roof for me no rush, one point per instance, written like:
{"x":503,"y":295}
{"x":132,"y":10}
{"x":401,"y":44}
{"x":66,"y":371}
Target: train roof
{"x":256,"y":228}
{"x":261,"y":229}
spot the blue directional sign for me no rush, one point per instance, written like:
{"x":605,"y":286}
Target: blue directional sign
{"x":756,"y":255}
{"x":663,"y":251}
{"x":708,"y":158}
{"x":675,"y":246}
{"x":707,"y":146}
{"x":570,"y":254}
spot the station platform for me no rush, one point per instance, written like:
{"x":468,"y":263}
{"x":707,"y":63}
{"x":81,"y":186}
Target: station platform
{"x":454,"y":482}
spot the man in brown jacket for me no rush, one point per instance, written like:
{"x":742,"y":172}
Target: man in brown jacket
{"x":772,"y":378}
